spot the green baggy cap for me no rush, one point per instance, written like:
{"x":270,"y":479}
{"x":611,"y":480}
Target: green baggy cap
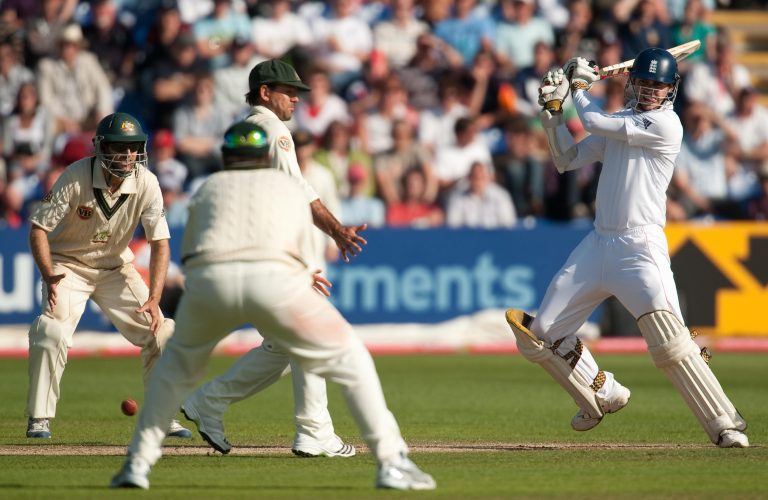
{"x":274,"y":72}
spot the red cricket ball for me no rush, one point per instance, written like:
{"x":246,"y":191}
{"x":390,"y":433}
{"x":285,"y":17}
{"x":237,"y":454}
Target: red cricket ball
{"x":129,"y":407}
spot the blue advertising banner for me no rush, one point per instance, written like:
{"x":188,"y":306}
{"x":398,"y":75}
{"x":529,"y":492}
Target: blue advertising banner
{"x":402,"y":276}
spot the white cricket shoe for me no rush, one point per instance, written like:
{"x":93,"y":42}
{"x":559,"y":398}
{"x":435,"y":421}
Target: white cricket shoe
{"x":404,"y":475}
{"x":133,"y":474}
{"x":731,"y":438}
{"x":179,"y":431}
{"x":38,"y":428}
{"x":211,"y":429}
{"x":308,"y":448}
{"x":615,"y":402}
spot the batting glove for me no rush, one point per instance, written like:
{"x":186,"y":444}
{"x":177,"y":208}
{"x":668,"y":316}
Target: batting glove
{"x":553,"y":89}
{"x":581,"y":74}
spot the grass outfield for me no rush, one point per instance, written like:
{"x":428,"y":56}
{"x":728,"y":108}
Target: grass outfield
{"x":484,"y":426}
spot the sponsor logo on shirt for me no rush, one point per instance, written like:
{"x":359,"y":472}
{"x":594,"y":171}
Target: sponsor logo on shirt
{"x":646,"y":123}
{"x":284,"y":143}
{"x":84,"y":212}
{"x":101,"y":237}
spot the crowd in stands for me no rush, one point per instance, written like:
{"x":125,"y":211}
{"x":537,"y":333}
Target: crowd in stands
{"x":422,"y":113}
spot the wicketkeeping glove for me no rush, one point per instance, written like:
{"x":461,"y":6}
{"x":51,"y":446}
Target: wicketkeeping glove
{"x":581,"y":74}
{"x":553,"y":89}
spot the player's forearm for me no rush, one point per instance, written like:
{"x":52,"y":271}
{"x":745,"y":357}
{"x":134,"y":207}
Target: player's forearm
{"x":158,"y":267}
{"x":595,"y":120}
{"x":324,"y":219}
{"x":41,"y":251}
{"x":559,"y":139}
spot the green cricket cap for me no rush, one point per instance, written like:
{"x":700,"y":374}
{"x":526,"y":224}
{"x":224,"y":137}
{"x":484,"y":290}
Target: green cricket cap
{"x":274,"y":71}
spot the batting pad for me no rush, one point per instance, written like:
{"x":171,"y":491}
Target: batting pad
{"x":536,"y":351}
{"x":673,"y":350}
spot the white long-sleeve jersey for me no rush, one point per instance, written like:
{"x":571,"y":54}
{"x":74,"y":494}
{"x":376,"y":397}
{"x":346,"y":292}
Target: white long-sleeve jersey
{"x":638,"y":151}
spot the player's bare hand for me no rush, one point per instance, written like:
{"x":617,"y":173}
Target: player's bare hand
{"x":321,"y":284}
{"x":51,"y":282}
{"x":349,"y":242}
{"x":152,"y":307}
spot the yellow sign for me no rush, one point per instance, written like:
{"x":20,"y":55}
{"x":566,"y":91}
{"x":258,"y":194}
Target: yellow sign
{"x":721,"y":272}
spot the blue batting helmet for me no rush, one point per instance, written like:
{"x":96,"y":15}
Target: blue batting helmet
{"x":657,"y":65}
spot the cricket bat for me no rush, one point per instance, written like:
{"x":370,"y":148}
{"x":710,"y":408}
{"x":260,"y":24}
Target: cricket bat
{"x":680,"y":52}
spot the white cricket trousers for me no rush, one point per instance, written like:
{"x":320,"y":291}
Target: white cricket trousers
{"x":633,"y":265}
{"x":258,"y":369}
{"x":118,"y":293}
{"x":278,"y":298}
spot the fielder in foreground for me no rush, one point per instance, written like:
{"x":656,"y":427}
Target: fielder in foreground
{"x":274,"y":92}
{"x":79,"y":239}
{"x":626,"y":254}
{"x":244,"y":250}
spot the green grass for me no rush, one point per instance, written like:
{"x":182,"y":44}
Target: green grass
{"x":438,"y":400}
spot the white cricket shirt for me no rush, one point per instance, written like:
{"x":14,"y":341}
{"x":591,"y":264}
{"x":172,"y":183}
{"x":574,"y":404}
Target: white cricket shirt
{"x":638,"y":151}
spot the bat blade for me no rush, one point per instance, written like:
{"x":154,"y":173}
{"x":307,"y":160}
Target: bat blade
{"x":679,"y":52}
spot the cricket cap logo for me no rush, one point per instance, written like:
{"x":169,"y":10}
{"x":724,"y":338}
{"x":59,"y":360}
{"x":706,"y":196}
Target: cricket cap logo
{"x":653,"y":66}
{"x":127,"y":126}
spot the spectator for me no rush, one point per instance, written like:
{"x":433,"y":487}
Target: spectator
{"x":73,"y":87}
{"x":702,"y":167}
{"x":337,"y":152}
{"x":163,"y":162}
{"x":716,"y":83}
{"x":453,"y":163}
{"x":173,"y":79}
{"x":396,"y":38}
{"x":165,"y":29}
{"x":360,"y":208}
{"x":436,"y":125}
{"x":12,"y":24}
{"x":27,"y":140}
{"x":198,"y":127}
{"x":405,"y":155}
{"x":642,"y":25}
{"x":12,"y":76}
{"x":519,"y":31}
{"x":482,"y":204}
{"x":280,"y":31}
{"x":434,"y":58}
{"x":175,"y":200}
{"x":324,"y":184}
{"x":43,"y":32}
{"x":320,"y":107}
{"x":215,"y":33}
{"x":528,"y":80}
{"x":231,"y":82}
{"x":522,"y":168}
{"x":342,"y":43}
{"x":694,"y":25}
{"x":467,"y":31}
{"x":375,"y":127}
{"x":414,"y":209}
{"x":580,"y":35}
{"x":750,"y":119}
{"x":112,"y":43}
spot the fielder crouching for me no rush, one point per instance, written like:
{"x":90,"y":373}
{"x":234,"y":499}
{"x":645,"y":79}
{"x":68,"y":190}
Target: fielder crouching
{"x":244,"y":249}
{"x":79,"y":239}
{"x":626,"y":254}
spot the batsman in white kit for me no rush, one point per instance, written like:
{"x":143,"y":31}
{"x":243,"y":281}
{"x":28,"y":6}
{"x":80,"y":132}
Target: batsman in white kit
{"x":626,"y":254}
{"x":244,"y":248}
{"x":79,"y":239}
{"x":274,"y":91}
